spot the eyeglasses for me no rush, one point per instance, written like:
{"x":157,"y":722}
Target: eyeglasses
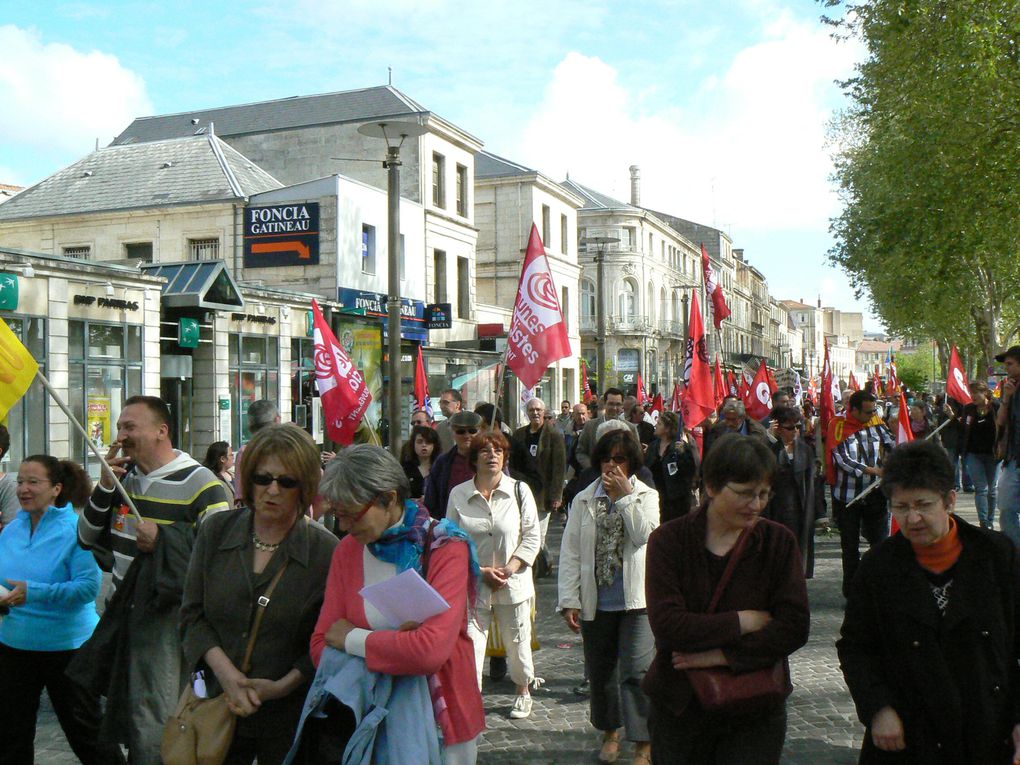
{"x":922,"y":507}
{"x":465,"y":431}
{"x":750,"y":495}
{"x":619,"y":459}
{"x":353,"y":519}
{"x":283,"y":481}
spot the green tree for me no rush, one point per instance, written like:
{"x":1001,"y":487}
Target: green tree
{"x":926,"y":157}
{"x":914,"y":369}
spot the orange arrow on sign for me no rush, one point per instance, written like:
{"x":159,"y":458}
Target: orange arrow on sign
{"x":299,"y":247}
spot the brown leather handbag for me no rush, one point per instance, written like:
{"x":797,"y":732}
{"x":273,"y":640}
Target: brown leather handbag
{"x":200,"y":731}
{"x":720,"y":690}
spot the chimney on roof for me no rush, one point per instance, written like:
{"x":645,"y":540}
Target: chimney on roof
{"x":635,"y":185}
{"x":819,"y":301}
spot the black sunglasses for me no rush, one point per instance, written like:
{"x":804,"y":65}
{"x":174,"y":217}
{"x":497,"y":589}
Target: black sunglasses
{"x":462,"y":431}
{"x":283,"y":481}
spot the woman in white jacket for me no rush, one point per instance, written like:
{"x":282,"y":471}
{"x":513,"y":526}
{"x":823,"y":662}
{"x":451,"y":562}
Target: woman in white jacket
{"x":602,"y":590}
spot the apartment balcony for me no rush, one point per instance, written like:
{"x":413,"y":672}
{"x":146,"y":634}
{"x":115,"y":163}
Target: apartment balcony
{"x":589,"y":325}
{"x":633,"y":325}
{"x":671,"y":328}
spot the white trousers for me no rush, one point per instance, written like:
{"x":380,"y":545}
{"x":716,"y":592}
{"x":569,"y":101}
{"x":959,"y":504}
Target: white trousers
{"x":515,"y":631}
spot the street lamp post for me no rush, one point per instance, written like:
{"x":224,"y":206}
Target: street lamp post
{"x":600,"y":242}
{"x":397,"y":132}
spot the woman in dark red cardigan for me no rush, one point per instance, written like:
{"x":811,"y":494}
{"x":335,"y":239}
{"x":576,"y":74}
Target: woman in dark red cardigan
{"x":761,"y":618}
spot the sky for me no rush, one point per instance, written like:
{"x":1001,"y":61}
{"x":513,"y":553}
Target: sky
{"x":723,"y":104}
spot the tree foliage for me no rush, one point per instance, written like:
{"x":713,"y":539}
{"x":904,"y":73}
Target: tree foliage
{"x":927,"y":156}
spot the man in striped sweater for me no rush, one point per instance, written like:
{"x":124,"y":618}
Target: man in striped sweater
{"x":173,"y":493}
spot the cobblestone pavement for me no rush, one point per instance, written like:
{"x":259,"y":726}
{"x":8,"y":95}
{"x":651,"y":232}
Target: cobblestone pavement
{"x":822,"y":727}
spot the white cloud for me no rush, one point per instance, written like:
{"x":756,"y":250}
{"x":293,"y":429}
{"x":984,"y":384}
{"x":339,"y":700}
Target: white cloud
{"x":747,"y":148}
{"x":59,"y":99}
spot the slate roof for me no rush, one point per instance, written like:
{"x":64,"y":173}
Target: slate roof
{"x":594,"y":200}
{"x":488,"y":165}
{"x":173,"y":172}
{"x":281,"y":114}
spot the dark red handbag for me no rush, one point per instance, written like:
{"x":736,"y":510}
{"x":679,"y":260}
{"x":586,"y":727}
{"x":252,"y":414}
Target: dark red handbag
{"x":720,"y":690}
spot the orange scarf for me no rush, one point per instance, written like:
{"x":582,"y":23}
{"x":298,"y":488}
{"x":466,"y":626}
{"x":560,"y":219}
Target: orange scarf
{"x":942,"y":554}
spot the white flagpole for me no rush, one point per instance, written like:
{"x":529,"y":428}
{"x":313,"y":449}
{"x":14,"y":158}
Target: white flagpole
{"x":92,"y":446}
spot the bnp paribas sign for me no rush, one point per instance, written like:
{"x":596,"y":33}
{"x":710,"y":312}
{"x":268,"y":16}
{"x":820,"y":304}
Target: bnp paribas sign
{"x":281,"y":235}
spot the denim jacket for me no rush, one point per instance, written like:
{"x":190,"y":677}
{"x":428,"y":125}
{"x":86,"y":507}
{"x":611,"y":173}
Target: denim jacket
{"x":388,"y":712}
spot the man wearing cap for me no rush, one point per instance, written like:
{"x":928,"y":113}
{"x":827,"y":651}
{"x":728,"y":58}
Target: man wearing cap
{"x":452,"y":467}
{"x":1008,"y":449}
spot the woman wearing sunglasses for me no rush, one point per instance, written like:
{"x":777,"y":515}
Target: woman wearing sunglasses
{"x":454,"y":466}
{"x":753,"y":621}
{"x":237,"y":555}
{"x":602,"y":590}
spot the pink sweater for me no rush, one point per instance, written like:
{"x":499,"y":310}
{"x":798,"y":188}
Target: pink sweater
{"x":440,"y":646}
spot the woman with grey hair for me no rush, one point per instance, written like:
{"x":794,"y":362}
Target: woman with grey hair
{"x":387,"y":534}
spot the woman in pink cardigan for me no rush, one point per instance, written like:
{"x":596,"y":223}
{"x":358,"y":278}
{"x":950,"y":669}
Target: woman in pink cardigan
{"x":387,"y":534}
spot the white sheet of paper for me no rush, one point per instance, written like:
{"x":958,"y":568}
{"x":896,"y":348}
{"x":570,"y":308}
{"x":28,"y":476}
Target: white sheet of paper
{"x":405,"y":597}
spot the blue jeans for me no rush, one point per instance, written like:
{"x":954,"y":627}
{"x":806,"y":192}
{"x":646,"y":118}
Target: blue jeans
{"x":984,"y":471}
{"x":1009,"y":500}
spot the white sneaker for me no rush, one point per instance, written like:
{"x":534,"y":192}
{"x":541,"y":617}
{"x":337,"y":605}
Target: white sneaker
{"x":522,"y":707}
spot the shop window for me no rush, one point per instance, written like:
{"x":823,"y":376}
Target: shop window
{"x":439,"y":292}
{"x":204,"y":249}
{"x":438,"y":180}
{"x":302,"y":381}
{"x":27,"y":420}
{"x":82,"y":252}
{"x":105,"y":369}
{"x":463,"y":288}
{"x":138,"y":251}
{"x":462,"y":186}
{"x":367,"y":249}
{"x":254,"y":374}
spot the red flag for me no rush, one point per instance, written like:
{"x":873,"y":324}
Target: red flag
{"x":423,"y":401}
{"x":538,"y":334}
{"x":957,"y":386}
{"x":773,"y":385}
{"x":656,"y":409}
{"x":674,"y":405}
{"x":731,"y":385}
{"x":812,"y":391}
{"x":903,"y":432}
{"x":760,"y":400}
{"x":828,"y":407}
{"x":744,"y":391}
{"x":641,"y":397}
{"x":342,"y":388}
{"x":698,"y":399}
{"x":714,"y":290}
{"x":585,"y":385}
{"x":718,"y":386}
{"x":876,"y":383}
{"x":894,"y":381}
{"x":852,"y":384}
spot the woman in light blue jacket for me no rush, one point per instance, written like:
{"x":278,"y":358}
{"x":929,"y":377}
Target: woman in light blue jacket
{"x":50,"y":587}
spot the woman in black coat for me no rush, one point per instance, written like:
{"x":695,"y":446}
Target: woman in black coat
{"x":799,"y":498}
{"x":673,"y":461}
{"x":929,"y":642}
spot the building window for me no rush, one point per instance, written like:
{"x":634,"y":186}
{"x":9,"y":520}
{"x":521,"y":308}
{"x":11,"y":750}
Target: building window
{"x":104,"y":370}
{"x":439,"y":180}
{"x":565,"y":307}
{"x":649,"y":245}
{"x":82,"y":253}
{"x":462,"y":187}
{"x":27,"y":420}
{"x":463,"y":288}
{"x":138,"y":251}
{"x":628,"y":300}
{"x":254,"y":363}
{"x":204,"y":249}
{"x":564,"y":233}
{"x":302,"y":381}
{"x":587,"y":299}
{"x":367,"y":249}
{"x":546,"y":214}
{"x":439,"y":292}
{"x":629,"y":238}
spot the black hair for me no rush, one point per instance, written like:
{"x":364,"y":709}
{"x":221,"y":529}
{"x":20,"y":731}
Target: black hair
{"x":155,"y":405}
{"x":408,"y":455}
{"x":918,"y":465}
{"x":626,"y":441}
{"x":738,"y":459}
{"x":857,"y":399}
{"x":217,"y":450}
{"x":611,"y":392}
{"x":454,"y":394}
{"x":75,"y":484}
{"x":5,"y":440}
{"x":785,"y":415}
{"x":484,"y":410}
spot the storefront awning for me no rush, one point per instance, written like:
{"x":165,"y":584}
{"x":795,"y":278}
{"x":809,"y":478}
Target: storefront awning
{"x":197,"y":284}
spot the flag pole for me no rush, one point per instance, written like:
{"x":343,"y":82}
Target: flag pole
{"x":92,"y":446}
{"x":499,"y":386}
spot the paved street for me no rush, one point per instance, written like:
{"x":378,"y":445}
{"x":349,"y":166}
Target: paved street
{"x":822,"y":727}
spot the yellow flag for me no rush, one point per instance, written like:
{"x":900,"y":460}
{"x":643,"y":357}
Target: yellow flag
{"x":17,"y":369}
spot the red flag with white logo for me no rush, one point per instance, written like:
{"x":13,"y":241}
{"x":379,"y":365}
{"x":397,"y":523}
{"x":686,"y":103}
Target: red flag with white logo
{"x":698,"y":400}
{"x":642,"y":397}
{"x":342,"y":387}
{"x":656,"y":410}
{"x":538,"y":334}
{"x":731,"y":385}
{"x":760,"y":401}
{"x":957,"y":386}
{"x":714,"y":290}
{"x":423,"y":401}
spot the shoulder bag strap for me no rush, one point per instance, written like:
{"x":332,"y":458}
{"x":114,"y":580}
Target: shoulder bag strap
{"x":735,"y":555}
{"x":263,"y":602}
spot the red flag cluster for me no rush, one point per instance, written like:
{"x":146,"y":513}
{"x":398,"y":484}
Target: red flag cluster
{"x":698,"y":400}
{"x":342,"y":388}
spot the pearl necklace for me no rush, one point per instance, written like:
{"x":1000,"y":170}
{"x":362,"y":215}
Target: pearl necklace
{"x":263,"y":546}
